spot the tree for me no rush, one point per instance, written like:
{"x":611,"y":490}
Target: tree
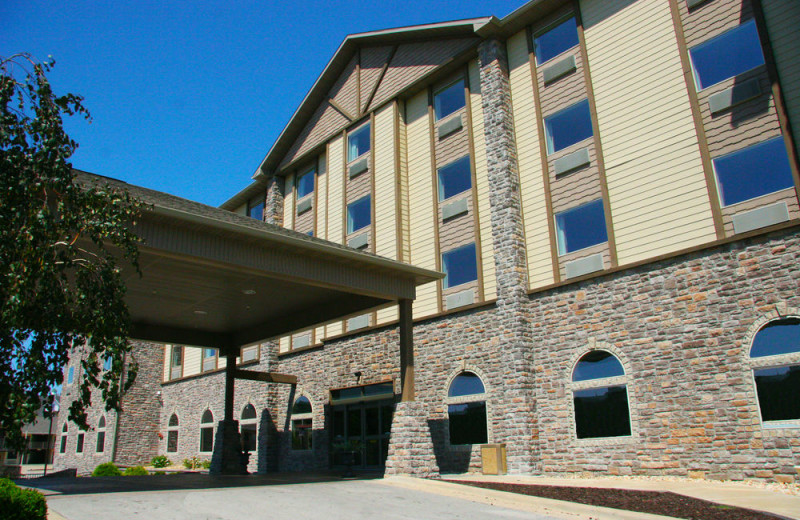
{"x":62,"y":243}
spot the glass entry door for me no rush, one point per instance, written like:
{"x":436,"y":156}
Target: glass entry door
{"x":361,"y":422}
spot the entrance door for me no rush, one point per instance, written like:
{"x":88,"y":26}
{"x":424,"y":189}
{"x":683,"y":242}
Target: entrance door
{"x":362,"y":422}
{"x":366,"y":428}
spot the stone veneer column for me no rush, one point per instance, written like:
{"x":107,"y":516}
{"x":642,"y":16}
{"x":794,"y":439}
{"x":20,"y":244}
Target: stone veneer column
{"x":410,"y":446}
{"x":513,"y":416}
{"x":273,"y":207}
{"x":136,"y":437}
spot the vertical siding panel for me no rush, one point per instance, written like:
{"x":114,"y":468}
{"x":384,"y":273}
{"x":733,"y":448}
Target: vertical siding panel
{"x":405,"y":254}
{"x":321,"y":211}
{"x":283,"y":344}
{"x":335,"y":206}
{"x":288,"y":202}
{"x":385,"y":194}
{"x":646,"y":129}
{"x":420,"y":200}
{"x":526,"y":130}
{"x":482,"y":183}
{"x":192,"y":361}
{"x":783,"y":20}
{"x":167,"y":361}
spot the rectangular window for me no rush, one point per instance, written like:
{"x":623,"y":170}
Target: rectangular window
{"x":602,"y":412}
{"x":207,"y":439}
{"x":101,"y":442}
{"x":467,"y":423}
{"x":727,"y":55}
{"x":777,"y":390}
{"x":209,"y":359}
{"x":70,"y":375}
{"x":79,"y":446}
{"x":358,"y":143}
{"x":249,"y":437}
{"x":449,"y":100}
{"x":255,"y":207}
{"x":176,"y":362}
{"x":359,"y":214}
{"x":172,"y":441}
{"x":555,"y":41}
{"x":455,"y":178}
{"x":460,"y":266}
{"x":305,"y":183}
{"x":581,"y":227}
{"x":63,"y":448}
{"x":568,"y":126}
{"x":301,"y":434}
{"x":753,"y":171}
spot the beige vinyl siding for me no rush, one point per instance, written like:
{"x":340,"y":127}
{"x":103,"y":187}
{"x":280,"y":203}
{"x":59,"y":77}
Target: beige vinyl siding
{"x":385,"y":194}
{"x":241,"y":210}
{"x":482,"y":183}
{"x":167,"y":361}
{"x":321,"y":211}
{"x":288,"y":203}
{"x":783,"y":20}
{"x":405,"y":254}
{"x":284,"y":344}
{"x":529,"y":157}
{"x":335,"y":206}
{"x":420,"y":200}
{"x":657,"y":189}
{"x":192,"y":361}
{"x":223,"y":361}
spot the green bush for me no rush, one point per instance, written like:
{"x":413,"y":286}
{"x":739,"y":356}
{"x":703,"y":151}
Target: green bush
{"x":107,"y":469}
{"x":21,"y":504}
{"x":160,"y":461}
{"x":205,"y":464}
{"x":135,"y":470}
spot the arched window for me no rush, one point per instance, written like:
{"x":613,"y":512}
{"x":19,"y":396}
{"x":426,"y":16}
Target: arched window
{"x":172,"y":433}
{"x":466,"y":409}
{"x":775,"y":357}
{"x":101,"y":435}
{"x":207,"y":432}
{"x":600,"y":396}
{"x":64,"y":432}
{"x":302,"y":423}
{"x":249,"y":428}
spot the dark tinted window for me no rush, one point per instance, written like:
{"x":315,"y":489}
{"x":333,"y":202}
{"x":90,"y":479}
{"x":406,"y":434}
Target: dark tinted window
{"x":602,"y":412}
{"x":172,"y":441}
{"x":597,"y":365}
{"x":249,"y":412}
{"x":449,"y":100}
{"x":778,"y":393}
{"x":467,"y":423}
{"x":305,"y":184}
{"x":753,"y":171}
{"x":581,"y":227}
{"x":249,"y":437}
{"x":302,"y":405}
{"x":255,"y":208}
{"x":207,"y":439}
{"x":460,"y":265}
{"x":173,"y":420}
{"x":455,"y":178}
{"x":359,"y":214}
{"x":79,"y":447}
{"x":726,"y":55}
{"x":466,"y":383}
{"x":101,"y":442}
{"x":554,"y":41}
{"x":101,"y":423}
{"x":63,"y":448}
{"x":569,"y":126}
{"x":301,"y":434}
{"x":208,"y":417}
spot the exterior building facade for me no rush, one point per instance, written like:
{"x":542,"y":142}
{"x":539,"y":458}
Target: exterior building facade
{"x":611,"y":189}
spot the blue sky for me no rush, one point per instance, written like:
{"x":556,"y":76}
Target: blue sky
{"x":188,"y":97}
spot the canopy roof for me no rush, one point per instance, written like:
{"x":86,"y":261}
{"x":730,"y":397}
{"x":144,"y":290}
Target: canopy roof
{"x":216,"y":279}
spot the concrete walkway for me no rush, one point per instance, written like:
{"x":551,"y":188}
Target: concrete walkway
{"x":727,"y":493}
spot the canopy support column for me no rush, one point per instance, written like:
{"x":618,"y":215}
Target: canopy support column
{"x":406,"y":350}
{"x":227,"y":458}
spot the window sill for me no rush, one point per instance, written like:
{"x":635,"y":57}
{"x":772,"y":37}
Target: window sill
{"x":791,"y":424}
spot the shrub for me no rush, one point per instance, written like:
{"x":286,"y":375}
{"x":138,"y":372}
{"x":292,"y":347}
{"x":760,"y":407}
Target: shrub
{"x":21,"y":504}
{"x":160,"y":461}
{"x":107,"y":469}
{"x":135,"y":470}
{"x":205,"y":464}
{"x":191,"y":463}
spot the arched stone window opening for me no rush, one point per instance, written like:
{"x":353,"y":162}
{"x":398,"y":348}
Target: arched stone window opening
{"x":172,"y":433}
{"x":775,"y":359}
{"x":466,"y":410}
{"x":302,"y":424}
{"x":249,"y":428}
{"x":101,"y":435}
{"x":600,"y":397}
{"x":207,"y":432}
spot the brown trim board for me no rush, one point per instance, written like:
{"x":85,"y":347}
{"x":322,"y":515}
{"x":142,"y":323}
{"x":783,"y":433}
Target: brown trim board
{"x":434,"y":185}
{"x":476,"y":222}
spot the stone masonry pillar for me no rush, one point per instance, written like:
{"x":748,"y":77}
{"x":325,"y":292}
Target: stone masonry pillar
{"x":273,"y":206}
{"x":516,"y":416}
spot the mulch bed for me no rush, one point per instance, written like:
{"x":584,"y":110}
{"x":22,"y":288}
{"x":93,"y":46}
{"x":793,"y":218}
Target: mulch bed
{"x":655,"y":502}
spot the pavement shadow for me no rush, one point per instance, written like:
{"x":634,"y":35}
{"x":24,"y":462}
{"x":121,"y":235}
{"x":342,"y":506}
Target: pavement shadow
{"x":132,"y":484}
